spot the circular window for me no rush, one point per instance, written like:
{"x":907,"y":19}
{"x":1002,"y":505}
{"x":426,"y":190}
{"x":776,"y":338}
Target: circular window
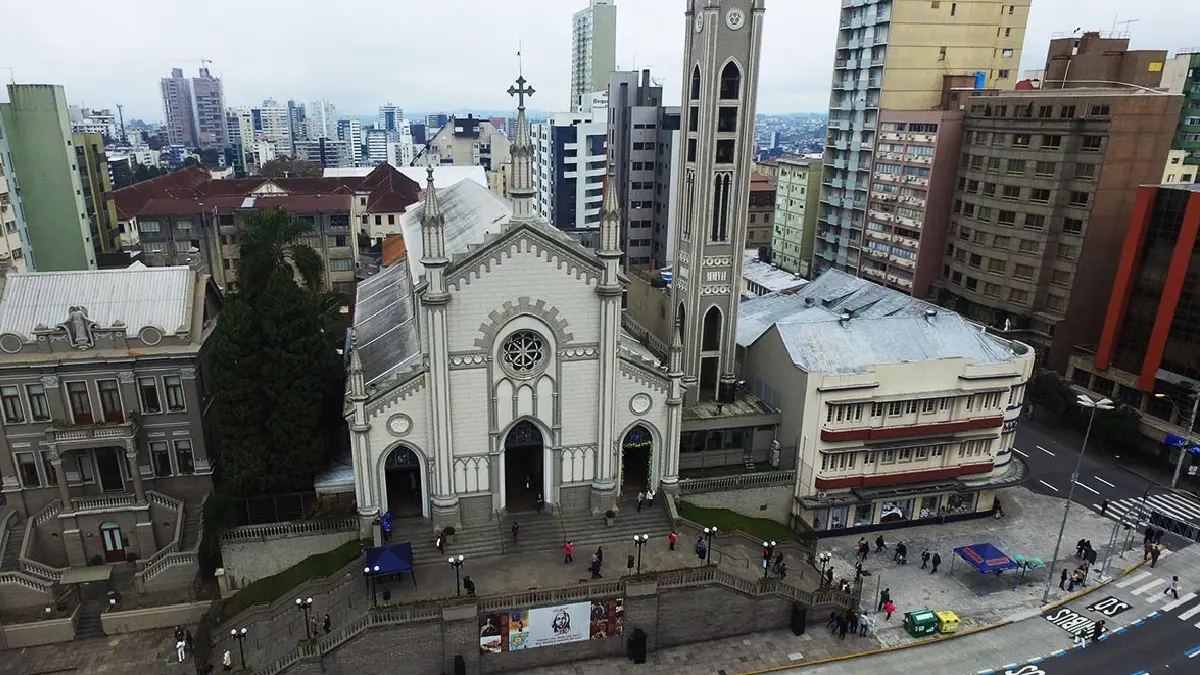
{"x":523,"y":353}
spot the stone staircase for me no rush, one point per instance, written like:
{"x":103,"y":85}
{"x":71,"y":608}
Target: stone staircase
{"x":12,"y":549}
{"x":480,"y":541}
{"x":189,"y":537}
{"x":89,"y":619}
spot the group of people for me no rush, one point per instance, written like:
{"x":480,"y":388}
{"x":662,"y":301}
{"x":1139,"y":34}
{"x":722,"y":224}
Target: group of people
{"x":645,"y":498}
{"x":1152,"y":545}
{"x":183,"y":643}
{"x":594,"y":566}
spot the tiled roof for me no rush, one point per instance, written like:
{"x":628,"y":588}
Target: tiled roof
{"x":390,"y":191}
{"x":137,"y":297}
{"x":129,"y":200}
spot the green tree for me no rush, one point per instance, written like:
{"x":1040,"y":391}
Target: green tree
{"x":234,"y":363}
{"x":1049,"y":389}
{"x":141,"y":173}
{"x":286,"y":167}
{"x":1121,"y":427}
{"x":189,"y":161}
{"x":270,"y":244}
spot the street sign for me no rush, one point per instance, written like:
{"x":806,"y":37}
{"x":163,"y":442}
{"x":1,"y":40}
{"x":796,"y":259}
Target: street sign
{"x":1109,"y":606}
{"x":1071,"y":621}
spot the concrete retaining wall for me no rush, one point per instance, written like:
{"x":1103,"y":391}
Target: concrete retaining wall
{"x":18,"y":635}
{"x":247,"y":561}
{"x":185,"y":614}
{"x":774,"y":502}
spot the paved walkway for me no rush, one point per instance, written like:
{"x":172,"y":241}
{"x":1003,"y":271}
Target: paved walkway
{"x":150,"y":652}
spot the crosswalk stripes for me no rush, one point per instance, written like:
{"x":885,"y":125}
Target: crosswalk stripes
{"x":1174,"y":604}
{"x":1151,"y":589}
{"x":1190,"y":613}
{"x":1129,"y":581}
{"x":1131,"y":510}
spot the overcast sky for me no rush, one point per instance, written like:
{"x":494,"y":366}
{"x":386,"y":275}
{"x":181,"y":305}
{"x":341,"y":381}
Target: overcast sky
{"x":429,"y":55}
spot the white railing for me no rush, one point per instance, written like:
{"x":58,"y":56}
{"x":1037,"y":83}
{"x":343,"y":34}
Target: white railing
{"x":166,"y":562}
{"x":41,"y":570}
{"x":164,"y":500}
{"x":736,"y":482}
{"x":48,"y":512}
{"x":4,"y":533}
{"x":101,"y":503}
{"x":26,"y":581}
{"x":163,"y":552}
{"x":290,"y":529}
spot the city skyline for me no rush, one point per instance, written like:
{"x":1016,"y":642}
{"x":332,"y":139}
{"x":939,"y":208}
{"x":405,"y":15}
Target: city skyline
{"x":482,"y":59}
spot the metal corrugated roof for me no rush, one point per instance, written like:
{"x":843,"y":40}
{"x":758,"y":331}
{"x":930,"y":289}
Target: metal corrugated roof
{"x":385,"y":323}
{"x":150,"y":296}
{"x":471,"y":213}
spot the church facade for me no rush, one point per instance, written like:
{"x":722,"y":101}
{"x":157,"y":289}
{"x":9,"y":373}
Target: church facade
{"x":488,"y":369}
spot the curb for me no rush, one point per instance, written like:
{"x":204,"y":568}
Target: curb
{"x":1067,"y":650}
{"x":974,"y":631}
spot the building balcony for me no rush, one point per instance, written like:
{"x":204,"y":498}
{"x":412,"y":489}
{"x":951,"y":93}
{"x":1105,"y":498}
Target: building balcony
{"x":882,"y":216}
{"x":917,"y":180}
{"x":874,"y":273}
{"x":903,"y":477}
{"x":911,"y":244}
{"x":902,"y":262}
{"x":878,"y":255}
{"x":909,"y":222}
{"x":80,"y":436}
{"x":909,"y":431}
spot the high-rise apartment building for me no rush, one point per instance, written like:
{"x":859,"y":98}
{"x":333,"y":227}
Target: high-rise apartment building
{"x":643,"y":138}
{"x":273,"y":122}
{"x":1181,"y":75}
{"x":895,"y":55}
{"x":208,"y":104}
{"x":350,"y":130}
{"x":92,"y":161}
{"x":570,"y":162}
{"x":390,"y":119}
{"x":1098,"y":60}
{"x":797,"y":191}
{"x":12,"y":251}
{"x":435,"y":121}
{"x":35,"y":129}
{"x":240,"y":122}
{"x":761,"y":212}
{"x":1047,"y":182}
{"x":328,"y":152}
{"x":593,"y":49}
{"x":468,"y":141}
{"x":178,"y":110}
{"x":377,"y":147}
{"x":321,"y":117}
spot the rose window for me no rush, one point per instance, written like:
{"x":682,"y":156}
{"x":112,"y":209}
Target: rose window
{"x":523,"y":352}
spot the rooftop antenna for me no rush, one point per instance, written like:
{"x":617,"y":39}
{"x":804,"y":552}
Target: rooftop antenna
{"x":520,"y":63}
{"x":1126,"y":23}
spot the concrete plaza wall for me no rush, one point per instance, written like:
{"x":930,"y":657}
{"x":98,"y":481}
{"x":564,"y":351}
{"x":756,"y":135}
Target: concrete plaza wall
{"x":185,"y":614}
{"x":254,"y":552}
{"x":773,"y":502}
{"x":51,"y":631}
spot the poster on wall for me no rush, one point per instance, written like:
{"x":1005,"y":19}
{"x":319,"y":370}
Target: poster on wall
{"x":547,"y":626}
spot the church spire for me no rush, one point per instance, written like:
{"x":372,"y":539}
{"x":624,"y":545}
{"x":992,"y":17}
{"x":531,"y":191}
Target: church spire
{"x":610,"y":221}
{"x":521,"y":190}
{"x":358,"y":387}
{"x":675,"y":360}
{"x":433,"y":225}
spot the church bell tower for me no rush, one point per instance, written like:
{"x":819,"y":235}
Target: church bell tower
{"x":720,"y":83}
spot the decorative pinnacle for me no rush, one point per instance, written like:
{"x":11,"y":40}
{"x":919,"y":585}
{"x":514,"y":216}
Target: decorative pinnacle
{"x":520,"y":91}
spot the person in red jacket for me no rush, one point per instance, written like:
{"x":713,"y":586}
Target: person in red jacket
{"x":569,"y":553}
{"x":672,"y":537}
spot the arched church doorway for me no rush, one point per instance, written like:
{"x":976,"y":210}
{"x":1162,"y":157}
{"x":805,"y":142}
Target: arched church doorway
{"x":636,"y":453}
{"x":402,"y":474}
{"x":523,"y":465}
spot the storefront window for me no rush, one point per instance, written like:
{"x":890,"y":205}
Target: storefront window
{"x":864,"y":514}
{"x":896,"y":510}
{"x":837,"y":517}
{"x":820,"y":519}
{"x":956,"y":504}
{"x":929,"y":507}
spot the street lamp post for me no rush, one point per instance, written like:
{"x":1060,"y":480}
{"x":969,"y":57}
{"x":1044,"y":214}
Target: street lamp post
{"x":457,"y":562}
{"x":768,"y":551}
{"x":1086,"y":402}
{"x":709,"y":533}
{"x":1188,"y":437}
{"x":824,"y":557}
{"x":240,"y":636}
{"x":305,"y":605}
{"x":640,"y":540}
{"x":372,"y":581}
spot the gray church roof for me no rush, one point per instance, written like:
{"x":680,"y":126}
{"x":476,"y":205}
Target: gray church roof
{"x":149,"y":296}
{"x":471,"y":211}
{"x":385,"y":325}
{"x":884,"y":327}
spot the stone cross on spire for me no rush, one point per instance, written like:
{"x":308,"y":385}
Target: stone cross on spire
{"x":520,"y":91}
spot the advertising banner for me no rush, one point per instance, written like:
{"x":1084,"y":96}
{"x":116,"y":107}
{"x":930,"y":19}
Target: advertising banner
{"x":547,"y":626}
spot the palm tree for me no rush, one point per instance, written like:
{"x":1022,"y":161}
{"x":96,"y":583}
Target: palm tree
{"x":270,"y":243}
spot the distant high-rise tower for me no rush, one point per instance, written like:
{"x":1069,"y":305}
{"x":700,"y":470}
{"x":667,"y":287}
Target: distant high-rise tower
{"x":322,"y":119}
{"x":351,"y":130}
{"x":208,"y":106}
{"x":897,"y":56}
{"x":721,"y":58}
{"x":593,"y":49}
{"x":390,"y":118}
{"x":178,"y":110}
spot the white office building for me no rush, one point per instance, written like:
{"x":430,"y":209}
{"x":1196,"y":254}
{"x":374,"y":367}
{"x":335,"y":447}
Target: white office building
{"x":273,"y":122}
{"x":377,"y":147}
{"x":321,"y":118}
{"x":350,"y":130}
{"x":570,"y":164}
{"x":593,"y":49}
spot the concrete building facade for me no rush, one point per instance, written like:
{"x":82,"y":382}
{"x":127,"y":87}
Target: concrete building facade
{"x":208,"y":105}
{"x":797,"y":194}
{"x":12,"y":252}
{"x":570,"y":165}
{"x":593,"y":49}
{"x":1181,"y":75}
{"x":468,"y":141}
{"x":94,"y":176}
{"x":1097,"y":59}
{"x":761,"y":213}
{"x":178,"y":110}
{"x":35,"y":129}
{"x":1047,"y":182}
{"x":895,"y":55}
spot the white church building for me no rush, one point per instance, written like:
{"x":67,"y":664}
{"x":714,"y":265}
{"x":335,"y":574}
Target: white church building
{"x":489,"y":368}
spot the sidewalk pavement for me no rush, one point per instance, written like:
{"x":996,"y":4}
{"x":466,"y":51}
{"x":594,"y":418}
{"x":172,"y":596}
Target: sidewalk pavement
{"x":148,"y":652}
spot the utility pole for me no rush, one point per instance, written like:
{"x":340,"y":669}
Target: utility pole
{"x":1187,"y":442}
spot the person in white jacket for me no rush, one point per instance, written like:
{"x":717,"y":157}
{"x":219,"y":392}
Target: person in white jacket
{"x":1172,"y":587}
{"x":227,"y":661}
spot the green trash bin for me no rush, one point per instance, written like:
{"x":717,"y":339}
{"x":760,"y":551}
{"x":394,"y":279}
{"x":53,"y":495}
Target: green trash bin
{"x":921,"y":623}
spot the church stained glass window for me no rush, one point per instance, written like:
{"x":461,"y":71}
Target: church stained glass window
{"x":523,"y":352}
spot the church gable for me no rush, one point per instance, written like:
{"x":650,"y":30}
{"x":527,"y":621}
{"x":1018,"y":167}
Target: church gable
{"x":567,"y":255}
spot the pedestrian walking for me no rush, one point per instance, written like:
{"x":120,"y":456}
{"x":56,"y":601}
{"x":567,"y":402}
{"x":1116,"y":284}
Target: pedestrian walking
{"x":879,"y":544}
{"x":1098,"y":630}
{"x":541,"y":502}
{"x":1173,"y":587}
{"x":937,"y":560}
{"x":890,"y":608}
{"x":595,"y":566}
{"x":440,"y":542}
{"x":468,"y":586}
{"x":515,"y":530}
{"x":1062,"y":580}
{"x":884,"y":598}
{"x":600,"y":554}
{"x":858,"y":570}
{"x":853,"y":621}
{"x":924,"y":558}
{"x":385,"y":526}
{"x":650,"y":498}
{"x":829,"y":577}
{"x":629,"y":563}
{"x":568,"y":553}
{"x":226,"y":662}
{"x":1158,"y":535}
{"x":782,"y":570}
{"x":180,"y":646}
{"x":1103,"y":508}
{"x":701,"y":548}
{"x":327,"y":624}
{"x":641,"y":497}
{"x":671,"y":539}
{"x":843,"y":626}
{"x":1155,"y":551}
{"x":863,"y":625}
{"x":1071,"y":583}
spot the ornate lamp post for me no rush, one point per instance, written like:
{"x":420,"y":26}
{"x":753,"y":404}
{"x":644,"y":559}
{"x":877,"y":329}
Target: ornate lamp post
{"x":768,"y":551}
{"x":457,"y":562}
{"x":305,"y":605}
{"x":640,"y":540}
{"x":240,"y":636}
{"x":709,"y":533}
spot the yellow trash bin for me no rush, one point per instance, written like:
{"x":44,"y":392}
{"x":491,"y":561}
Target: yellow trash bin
{"x":947,"y":622}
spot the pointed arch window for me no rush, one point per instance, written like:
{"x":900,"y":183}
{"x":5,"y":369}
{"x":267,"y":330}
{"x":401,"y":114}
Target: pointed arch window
{"x":720,"y":216}
{"x":695,"y":96}
{"x":731,"y":82}
{"x":712,"y":330}
{"x":689,"y":204}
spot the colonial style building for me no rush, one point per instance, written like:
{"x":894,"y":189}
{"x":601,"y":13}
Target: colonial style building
{"x":903,"y":410}
{"x":104,"y":456}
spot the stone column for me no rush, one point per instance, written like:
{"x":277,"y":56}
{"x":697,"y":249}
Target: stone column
{"x":64,"y":491}
{"x":58,"y":407}
{"x":131,"y":455}
{"x":194,"y":399}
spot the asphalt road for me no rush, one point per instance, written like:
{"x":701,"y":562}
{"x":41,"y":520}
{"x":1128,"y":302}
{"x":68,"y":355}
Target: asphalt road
{"x":1152,"y":648}
{"x":1051,"y":458}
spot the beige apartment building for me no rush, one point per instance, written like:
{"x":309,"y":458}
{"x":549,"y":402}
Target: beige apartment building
{"x":911,"y":415}
{"x":11,"y":252}
{"x":895,"y":55}
{"x":797,"y":188}
{"x":1047,"y":183}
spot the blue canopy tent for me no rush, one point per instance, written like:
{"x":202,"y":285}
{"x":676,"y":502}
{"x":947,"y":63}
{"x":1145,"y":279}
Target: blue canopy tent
{"x":392,"y":560}
{"x":985,"y":558}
